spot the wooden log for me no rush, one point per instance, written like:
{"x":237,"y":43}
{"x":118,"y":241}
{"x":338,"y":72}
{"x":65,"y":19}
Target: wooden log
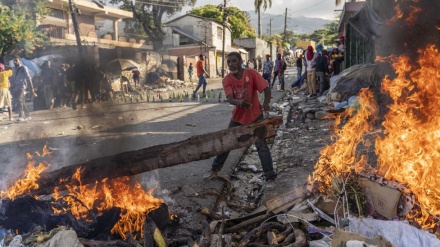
{"x":160,"y":156}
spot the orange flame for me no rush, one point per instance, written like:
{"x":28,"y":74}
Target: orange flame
{"x":340,"y":157}
{"x":398,"y":15}
{"x":29,"y":181}
{"x":410,"y":151}
{"x":134,"y":202}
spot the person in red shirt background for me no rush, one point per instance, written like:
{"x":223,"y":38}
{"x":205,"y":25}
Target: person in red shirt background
{"x":241,"y":88}
{"x":201,"y":75}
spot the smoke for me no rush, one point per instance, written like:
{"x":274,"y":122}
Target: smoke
{"x":410,"y":26}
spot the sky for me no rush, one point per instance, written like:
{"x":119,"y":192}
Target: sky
{"x":309,"y":8}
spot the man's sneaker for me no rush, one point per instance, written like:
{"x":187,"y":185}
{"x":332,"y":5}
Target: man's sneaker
{"x":20,"y":119}
{"x":270,"y":184}
{"x":28,"y":118}
{"x":210,"y":174}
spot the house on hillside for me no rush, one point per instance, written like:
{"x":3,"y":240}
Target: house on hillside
{"x":189,"y":36}
{"x":101,"y":45}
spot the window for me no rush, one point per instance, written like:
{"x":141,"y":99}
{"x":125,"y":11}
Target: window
{"x":56,"y":13}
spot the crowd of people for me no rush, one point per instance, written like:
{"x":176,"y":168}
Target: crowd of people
{"x":319,"y":65}
{"x":64,"y":86}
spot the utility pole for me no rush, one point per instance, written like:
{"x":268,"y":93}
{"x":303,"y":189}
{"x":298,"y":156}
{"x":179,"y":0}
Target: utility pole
{"x":75,"y":28}
{"x":270,"y":35}
{"x":225,"y":20}
{"x":83,"y":61}
{"x":285,"y":25}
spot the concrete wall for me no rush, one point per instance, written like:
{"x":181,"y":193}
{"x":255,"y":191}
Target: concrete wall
{"x":255,"y":46}
{"x":86,"y":24}
{"x":198,"y":27}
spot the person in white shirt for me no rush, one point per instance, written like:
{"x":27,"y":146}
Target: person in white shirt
{"x":310,"y":62}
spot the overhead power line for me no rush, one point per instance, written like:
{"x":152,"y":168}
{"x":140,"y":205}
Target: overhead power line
{"x":308,"y":7}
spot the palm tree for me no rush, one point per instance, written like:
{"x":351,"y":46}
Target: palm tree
{"x":258,"y":4}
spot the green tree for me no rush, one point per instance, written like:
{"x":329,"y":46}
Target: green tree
{"x":275,"y":40}
{"x":327,"y":35}
{"x":149,"y":14}
{"x":258,"y":4}
{"x":238,"y":20}
{"x":289,"y":37}
{"x":19,"y":34}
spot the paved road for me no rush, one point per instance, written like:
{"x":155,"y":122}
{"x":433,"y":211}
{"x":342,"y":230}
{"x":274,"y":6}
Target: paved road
{"x":105,"y":129}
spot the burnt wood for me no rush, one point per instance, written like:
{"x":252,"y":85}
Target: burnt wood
{"x":24,"y":214}
{"x":160,"y":156}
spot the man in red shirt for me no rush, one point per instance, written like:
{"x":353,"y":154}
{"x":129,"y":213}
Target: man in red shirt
{"x":201,"y":75}
{"x":241,"y":88}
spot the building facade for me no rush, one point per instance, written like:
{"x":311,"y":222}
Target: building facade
{"x":101,"y":43}
{"x":191,"y":35}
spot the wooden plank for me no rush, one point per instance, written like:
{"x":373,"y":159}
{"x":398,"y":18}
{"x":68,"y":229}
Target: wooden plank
{"x":282,"y":202}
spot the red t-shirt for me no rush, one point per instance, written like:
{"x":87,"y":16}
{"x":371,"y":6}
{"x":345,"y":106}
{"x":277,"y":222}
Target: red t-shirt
{"x":199,"y":66}
{"x":247,"y":88}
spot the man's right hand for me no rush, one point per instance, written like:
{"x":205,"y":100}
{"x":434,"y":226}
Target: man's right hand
{"x":245,"y":105}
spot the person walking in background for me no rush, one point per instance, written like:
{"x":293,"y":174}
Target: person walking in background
{"x":321,"y":68}
{"x":267,"y":69}
{"x":136,"y":77}
{"x":5,"y":95}
{"x":310,"y":61}
{"x":48,"y":79}
{"x":201,"y":75}
{"x":299,"y":65}
{"x":190,"y":71}
{"x":260,"y":64}
{"x":275,"y":72}
{"x":241,"y":88}
{"x":21,"y":80}
{"x":62,"y":94}
{"x":280,"y":67}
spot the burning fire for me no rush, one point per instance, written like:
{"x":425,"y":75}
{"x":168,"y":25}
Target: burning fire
{"x":340,"y":157}
{"x":84,"y":201}
{"x":32,"y":174}
{"x":409,"y":152}
{"x":132,"y":199}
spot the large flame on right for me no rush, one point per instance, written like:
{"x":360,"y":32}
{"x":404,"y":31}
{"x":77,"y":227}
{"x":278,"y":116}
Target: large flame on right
{"x":410,"y":151}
